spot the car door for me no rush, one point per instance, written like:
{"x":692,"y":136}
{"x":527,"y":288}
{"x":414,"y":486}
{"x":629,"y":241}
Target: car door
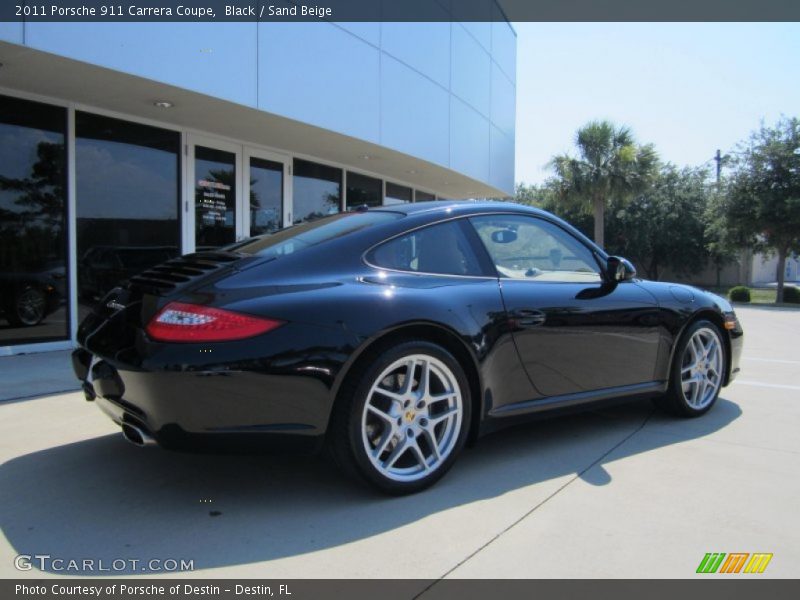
{"x":454,"y":285}
{"x":575,"y":332}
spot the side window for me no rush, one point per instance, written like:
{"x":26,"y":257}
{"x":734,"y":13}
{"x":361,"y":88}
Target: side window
{"x":441,"y":248}
{"x":529,"y":248}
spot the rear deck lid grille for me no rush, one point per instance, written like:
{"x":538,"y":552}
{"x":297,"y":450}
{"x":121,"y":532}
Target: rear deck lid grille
{"x":177,"y":273}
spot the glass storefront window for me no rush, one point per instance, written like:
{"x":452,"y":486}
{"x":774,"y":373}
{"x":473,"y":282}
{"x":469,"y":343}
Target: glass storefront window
{"x":266,"y":196}
{"x":317,"y":190}
{"x":127,"y":181}
{"x":34,"y":296}
{"x":398,"y":194}
{"x":420,"y":196}
{"x":214,"y":198}
{"x":363,"y":190}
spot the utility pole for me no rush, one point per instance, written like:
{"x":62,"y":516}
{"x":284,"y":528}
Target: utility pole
{"x":717,"y":262}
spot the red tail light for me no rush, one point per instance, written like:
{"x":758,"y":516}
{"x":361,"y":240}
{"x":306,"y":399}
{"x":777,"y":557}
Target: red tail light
{"x":181,"y":322}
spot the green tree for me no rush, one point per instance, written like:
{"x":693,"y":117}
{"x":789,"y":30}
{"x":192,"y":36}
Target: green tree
{"x":663,"y":227}
{"x":761,"y":208}
{"x":533,"y":194}
{"x":610,"y":166}
{"x":720,"y":245}
{"x":547,"y":196}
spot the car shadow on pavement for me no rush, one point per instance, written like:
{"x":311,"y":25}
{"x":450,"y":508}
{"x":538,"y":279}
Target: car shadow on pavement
{"x":103,"y":498}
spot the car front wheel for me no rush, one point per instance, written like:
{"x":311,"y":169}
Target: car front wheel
{"x":404,"y":420}
{"x":698,"y":371}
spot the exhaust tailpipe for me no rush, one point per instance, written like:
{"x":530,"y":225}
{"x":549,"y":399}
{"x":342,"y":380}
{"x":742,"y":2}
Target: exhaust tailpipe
{"x":137,"y":435}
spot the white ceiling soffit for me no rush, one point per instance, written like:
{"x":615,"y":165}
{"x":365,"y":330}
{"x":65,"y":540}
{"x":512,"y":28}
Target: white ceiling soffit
{"x":37,"y":72}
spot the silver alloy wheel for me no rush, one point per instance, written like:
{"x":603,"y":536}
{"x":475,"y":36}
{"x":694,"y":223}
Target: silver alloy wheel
{"x":412,"y":418}
{"x":701,"y":368}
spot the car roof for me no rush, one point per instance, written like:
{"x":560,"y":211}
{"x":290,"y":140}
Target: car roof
{"x":443,"y":208}
{"x":461,"y":207}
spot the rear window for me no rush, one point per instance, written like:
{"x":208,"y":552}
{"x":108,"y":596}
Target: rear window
{"x":305,"y":235}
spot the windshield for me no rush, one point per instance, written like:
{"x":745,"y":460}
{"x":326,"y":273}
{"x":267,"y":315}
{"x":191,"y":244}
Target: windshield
{"x":304,"y":235}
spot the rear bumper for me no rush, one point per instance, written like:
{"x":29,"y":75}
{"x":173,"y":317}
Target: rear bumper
{"x":218,"y":410}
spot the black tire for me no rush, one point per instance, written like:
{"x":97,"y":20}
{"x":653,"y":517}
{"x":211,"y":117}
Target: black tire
{"x":680,"y":399}
{"x":27,"y":307}
{"x":438,"y":430}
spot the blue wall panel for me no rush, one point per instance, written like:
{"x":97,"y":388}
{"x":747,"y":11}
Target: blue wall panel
{"x":480,"y":14}
{"x":422,"y":46}
{"x":502,"y":160}
{"x":504,"y":96}
{"x":218,"y":59}
{"x":504,"y":48}
{"x":414,"y":113}
{"x":320,"y":74}
{"x":11,"y":32}
{"x":369,"y":32}
{"x":469,"y":141}
{"x":470,"y":72}
{"x":441,"y":91}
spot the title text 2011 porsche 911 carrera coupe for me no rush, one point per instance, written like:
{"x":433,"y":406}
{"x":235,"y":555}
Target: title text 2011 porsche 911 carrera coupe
{"x":392,"y":336}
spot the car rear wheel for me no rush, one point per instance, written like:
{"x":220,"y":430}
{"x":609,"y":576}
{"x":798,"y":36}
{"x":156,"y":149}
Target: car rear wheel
{"x":402,"y":423}
{"x":698,"y":371}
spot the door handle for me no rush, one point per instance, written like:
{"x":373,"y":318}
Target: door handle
{"x":528,"y":317}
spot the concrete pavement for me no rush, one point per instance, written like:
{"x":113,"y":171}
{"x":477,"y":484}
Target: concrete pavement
{"x":32,"y":375}
{"x":621,"y":492}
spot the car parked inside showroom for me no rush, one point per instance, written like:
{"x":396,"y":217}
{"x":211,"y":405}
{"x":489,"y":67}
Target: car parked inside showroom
{"x":390,"y":337}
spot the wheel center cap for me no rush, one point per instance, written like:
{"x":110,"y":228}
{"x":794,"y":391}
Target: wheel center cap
{"x":409,"y":416}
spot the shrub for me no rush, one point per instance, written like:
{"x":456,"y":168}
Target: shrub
{"x":791,"y":294}
{"x":740,"y":293}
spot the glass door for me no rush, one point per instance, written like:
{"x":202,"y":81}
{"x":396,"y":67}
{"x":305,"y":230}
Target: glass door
{"x":266,"y":179}
{"x":214,"y":194}
{"x":233,"y":192}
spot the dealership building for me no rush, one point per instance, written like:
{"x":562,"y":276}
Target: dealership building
{"x":124,"y":144}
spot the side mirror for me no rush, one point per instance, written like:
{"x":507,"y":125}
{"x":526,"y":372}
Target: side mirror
{"x":620,"y":269}
{"x":504,"y":236}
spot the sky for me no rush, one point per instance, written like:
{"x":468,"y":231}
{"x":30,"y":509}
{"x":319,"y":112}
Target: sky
{"x":687,"y":88}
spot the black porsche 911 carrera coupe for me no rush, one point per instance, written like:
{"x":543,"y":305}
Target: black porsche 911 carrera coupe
{"x":392,"y":336}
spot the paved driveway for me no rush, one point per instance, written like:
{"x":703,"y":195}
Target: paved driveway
{"x":622,"y":492}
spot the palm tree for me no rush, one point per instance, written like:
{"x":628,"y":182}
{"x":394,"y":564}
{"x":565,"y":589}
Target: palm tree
{"x":610,"y":166}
